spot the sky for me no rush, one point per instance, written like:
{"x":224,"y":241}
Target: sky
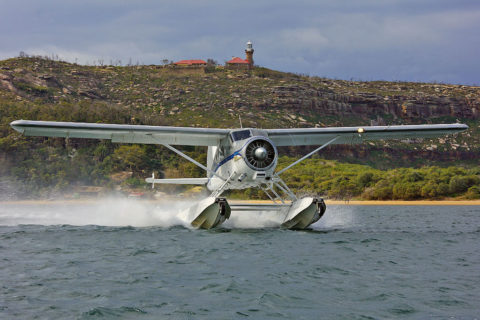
{"x":395,"y":40}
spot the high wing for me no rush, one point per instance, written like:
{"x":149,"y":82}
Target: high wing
{"x":349,"y":135}
{"x":122,"y":133}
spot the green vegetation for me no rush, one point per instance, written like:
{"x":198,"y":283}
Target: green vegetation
{"x":52,"y":166}
{"x":345,"y":181}
{"x":42,"y":89}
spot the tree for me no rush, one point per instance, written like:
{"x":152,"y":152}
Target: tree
{"x":459,"y":184}
{"x":473,"y":193}
{"x":429,"y":190}
{"x":381,"y":191}
{"x":406,"y":191}
{"x":365,"y":179}
{"x":343,"y":188}
{"x":212,"y":63}
{"x":132,"y":156}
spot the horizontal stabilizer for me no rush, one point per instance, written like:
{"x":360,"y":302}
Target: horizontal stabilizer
{"x":178,"y":181}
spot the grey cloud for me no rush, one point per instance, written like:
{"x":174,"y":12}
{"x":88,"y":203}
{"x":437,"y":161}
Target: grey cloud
{"x":422,"y":40}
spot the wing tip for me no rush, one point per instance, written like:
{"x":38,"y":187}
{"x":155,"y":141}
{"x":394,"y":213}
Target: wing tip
{"x":17,"y":125}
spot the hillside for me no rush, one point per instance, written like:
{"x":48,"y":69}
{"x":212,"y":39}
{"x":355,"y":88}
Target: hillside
{"x":42,"y":89}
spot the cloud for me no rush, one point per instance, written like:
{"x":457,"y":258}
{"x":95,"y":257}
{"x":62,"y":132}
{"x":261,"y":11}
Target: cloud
{"x":368,"y":39}
{"x":312,"y":38}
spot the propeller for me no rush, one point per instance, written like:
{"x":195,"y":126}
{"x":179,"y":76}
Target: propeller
{"x":260,"y":154}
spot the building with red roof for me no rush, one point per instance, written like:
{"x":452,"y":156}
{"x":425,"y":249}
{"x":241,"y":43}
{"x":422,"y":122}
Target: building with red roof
{"x":191,"y":63}
{"x":239,"y":63}
{"x":237,"y":60}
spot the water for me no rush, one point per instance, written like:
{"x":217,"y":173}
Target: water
{"x":358,"y":262}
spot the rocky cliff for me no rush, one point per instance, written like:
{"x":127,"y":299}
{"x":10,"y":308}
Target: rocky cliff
{"x":215,"y":97}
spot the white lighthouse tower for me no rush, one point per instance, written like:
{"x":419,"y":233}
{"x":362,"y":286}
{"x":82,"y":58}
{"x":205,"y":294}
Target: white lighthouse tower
{"x":249,"y":54}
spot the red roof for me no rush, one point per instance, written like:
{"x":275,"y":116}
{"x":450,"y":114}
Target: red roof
{"x":190,"y":62}
{"x":237,"y":60}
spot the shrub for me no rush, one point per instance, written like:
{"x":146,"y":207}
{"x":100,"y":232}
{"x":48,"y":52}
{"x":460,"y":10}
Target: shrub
{"x":459,"y":184}
{"x":429,"y":191}
{"x":406,"y":191}
{"x":382,"y":190}
{"x":343,"y":188}
{"x":134,"y":182}
{"x":473,"y":193}
{"x":365,"y":179}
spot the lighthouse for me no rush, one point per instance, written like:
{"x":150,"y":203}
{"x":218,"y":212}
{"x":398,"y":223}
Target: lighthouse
{"x":249,"y":54}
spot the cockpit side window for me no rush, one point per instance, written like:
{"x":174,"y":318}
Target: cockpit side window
{"x":240,"y":135}
{"x":220,"y":154}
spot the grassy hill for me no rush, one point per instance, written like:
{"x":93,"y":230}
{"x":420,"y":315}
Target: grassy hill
{"x":43,"y":89}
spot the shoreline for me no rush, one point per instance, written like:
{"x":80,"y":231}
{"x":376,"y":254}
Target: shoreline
{"x":327,"y":202}
{"x":405,"y":202}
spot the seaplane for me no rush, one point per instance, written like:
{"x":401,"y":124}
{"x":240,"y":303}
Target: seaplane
{"x":238,"y":159}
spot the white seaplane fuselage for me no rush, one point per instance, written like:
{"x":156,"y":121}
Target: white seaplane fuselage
{"x":246,"y":158}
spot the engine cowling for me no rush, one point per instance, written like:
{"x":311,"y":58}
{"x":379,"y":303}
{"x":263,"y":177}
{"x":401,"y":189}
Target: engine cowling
{"x":260,"y":154}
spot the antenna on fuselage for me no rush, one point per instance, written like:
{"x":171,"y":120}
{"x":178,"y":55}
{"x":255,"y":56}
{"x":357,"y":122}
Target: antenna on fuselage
{"x":240,"y":119}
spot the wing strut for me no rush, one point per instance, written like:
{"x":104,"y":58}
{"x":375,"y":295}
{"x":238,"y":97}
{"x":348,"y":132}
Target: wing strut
{"x":308,"y":155}
{"x":180,"y":153}
{"x":278,"y":182}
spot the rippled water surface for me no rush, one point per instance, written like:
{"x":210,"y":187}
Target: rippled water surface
{"x":358,"y":262}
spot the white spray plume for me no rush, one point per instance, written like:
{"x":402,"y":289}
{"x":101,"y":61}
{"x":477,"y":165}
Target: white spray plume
{"x":138,"y":213}
{"x":107,"y":212}
{"x":337,"y":217}
{"x":120,"y":212}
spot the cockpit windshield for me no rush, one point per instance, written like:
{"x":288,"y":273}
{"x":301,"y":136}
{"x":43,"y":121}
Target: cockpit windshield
{"x":240,"y":135}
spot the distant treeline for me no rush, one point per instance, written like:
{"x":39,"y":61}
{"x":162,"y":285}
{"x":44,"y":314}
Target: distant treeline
{"x":345,"y":181}
{"x":46,"y":165}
